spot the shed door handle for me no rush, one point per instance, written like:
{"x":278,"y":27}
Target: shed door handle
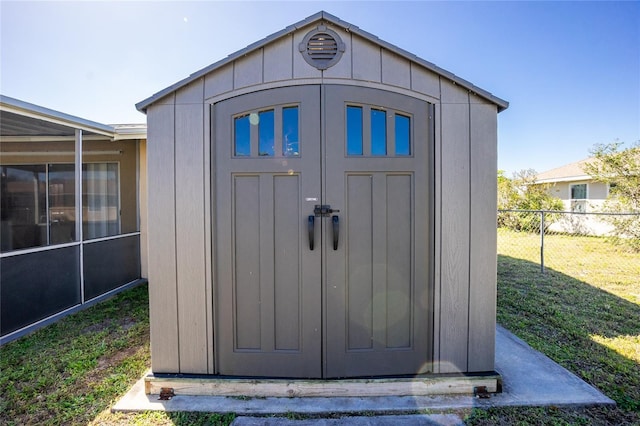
{"x":335,"y":224}
{"x":312,"y":232}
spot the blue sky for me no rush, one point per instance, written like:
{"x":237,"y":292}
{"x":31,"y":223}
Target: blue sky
{"x":570,"y":70}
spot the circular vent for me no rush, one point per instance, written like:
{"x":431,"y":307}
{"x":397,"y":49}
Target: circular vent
{"x":322,"y":48}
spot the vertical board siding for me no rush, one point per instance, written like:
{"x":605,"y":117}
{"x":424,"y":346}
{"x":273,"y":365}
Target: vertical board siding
{"x":425,"y":81}
{"x":301,"y":69}
{"x":209,"y":230}
{"x":247,"y":71}
{"x":219,"y":81}
{"x":437,"y":227}
{"x":278,"y":60}
{"x":343,"y":68}
{"x":482,"y":292}
{"x":162,"y":237}
{"x":396,"y":71}
{"x":366,"y":60}
{"x":190,"y":233}
{"x":142,"y":179}
{"x":455,"y":211}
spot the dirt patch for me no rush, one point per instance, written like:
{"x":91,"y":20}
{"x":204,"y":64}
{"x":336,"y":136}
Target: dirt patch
{"x":98,"y":327}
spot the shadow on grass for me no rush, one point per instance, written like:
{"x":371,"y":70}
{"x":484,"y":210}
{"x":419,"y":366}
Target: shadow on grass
{"x":581,"y":327}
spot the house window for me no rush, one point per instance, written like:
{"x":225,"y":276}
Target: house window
{"x":100,"y":200}
{"x":38,"y":204}
{"x":23,"y":212}
{"x":579,"y":192}
{"x":578,"y":197}
{"x":62,"y":203}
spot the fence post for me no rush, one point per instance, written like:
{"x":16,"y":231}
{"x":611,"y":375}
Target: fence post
{"x":542,"y":241}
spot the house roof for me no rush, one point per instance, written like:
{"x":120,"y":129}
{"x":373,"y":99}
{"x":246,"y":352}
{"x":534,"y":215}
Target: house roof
{"x":327,"y":17}
{"x":566,"y":173}
{"x":20,"y":119}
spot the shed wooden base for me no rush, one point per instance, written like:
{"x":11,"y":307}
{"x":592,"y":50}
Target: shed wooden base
{"x":261,"y":388}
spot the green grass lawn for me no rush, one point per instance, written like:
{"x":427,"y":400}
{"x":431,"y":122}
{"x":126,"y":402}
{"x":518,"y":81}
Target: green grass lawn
{"x":583,"y":314}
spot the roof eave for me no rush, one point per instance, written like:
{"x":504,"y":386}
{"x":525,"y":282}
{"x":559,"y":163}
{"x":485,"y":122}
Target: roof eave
{"x":565,"y":179}
{"x":27,"y":109}
{"x":322,"y":15}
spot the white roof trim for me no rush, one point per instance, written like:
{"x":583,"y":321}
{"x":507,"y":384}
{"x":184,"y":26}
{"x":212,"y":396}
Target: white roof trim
{"x":502,"y":104}
{"x":565,"y":179}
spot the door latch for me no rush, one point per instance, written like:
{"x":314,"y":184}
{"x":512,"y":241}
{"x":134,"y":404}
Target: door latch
{"x":323,"y":210}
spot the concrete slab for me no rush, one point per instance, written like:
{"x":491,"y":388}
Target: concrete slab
{"x":529,"y":379}
{"x":413,"y":420}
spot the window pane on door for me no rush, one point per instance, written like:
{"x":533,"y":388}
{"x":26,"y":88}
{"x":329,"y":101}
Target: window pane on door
{"x":290,"y":132}
{"x":378,"y":132}
{"x":265,"y":134}
{"x":62,"y":203}
{"x":23,"y":207}
{"x":402,"y":135}
{"x":242,"y":136}
{"x":354,"y":130}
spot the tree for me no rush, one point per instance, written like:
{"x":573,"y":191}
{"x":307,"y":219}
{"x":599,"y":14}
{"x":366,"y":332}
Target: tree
{"x":523,"y":193}
{"x":620,"y":169}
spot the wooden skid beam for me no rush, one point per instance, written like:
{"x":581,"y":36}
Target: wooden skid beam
{"x":330,"y":388}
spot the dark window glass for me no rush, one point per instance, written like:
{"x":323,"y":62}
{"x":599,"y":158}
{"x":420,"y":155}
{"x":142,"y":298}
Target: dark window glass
{"x":579,"y":192}
{"x":378,"y":132}
{"x":265,"y":134}
{"x":23,"y":208}
{"x":403,"y":144}
{"x":100,"y":204}
{"x":242,"y":136}
{"x":354,"y":130}
{"x":290,"y":132}
{"x":62,"y":210}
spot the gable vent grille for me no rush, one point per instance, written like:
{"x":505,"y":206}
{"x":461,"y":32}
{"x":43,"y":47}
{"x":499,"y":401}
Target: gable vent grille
{"x":322,"y":48}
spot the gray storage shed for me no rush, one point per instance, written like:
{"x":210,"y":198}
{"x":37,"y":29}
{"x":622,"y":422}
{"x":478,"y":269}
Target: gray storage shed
{"x":322,"y":204}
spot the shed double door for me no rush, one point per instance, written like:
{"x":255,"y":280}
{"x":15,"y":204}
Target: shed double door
{"x":322,"y":237}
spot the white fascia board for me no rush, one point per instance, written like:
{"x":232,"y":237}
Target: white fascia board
{"x":130,"y":131}
{"x":565,"y":179}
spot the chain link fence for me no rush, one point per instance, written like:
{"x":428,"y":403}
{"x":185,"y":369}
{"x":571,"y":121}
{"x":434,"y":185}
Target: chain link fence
{"x":577,"y":244}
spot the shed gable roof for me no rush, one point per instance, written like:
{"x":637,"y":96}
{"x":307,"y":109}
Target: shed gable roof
{"x":327,"y":18}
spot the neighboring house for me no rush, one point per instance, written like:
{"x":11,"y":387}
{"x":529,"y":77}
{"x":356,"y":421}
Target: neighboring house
{"x":580,"y":193}
{"x":66,"y":242}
